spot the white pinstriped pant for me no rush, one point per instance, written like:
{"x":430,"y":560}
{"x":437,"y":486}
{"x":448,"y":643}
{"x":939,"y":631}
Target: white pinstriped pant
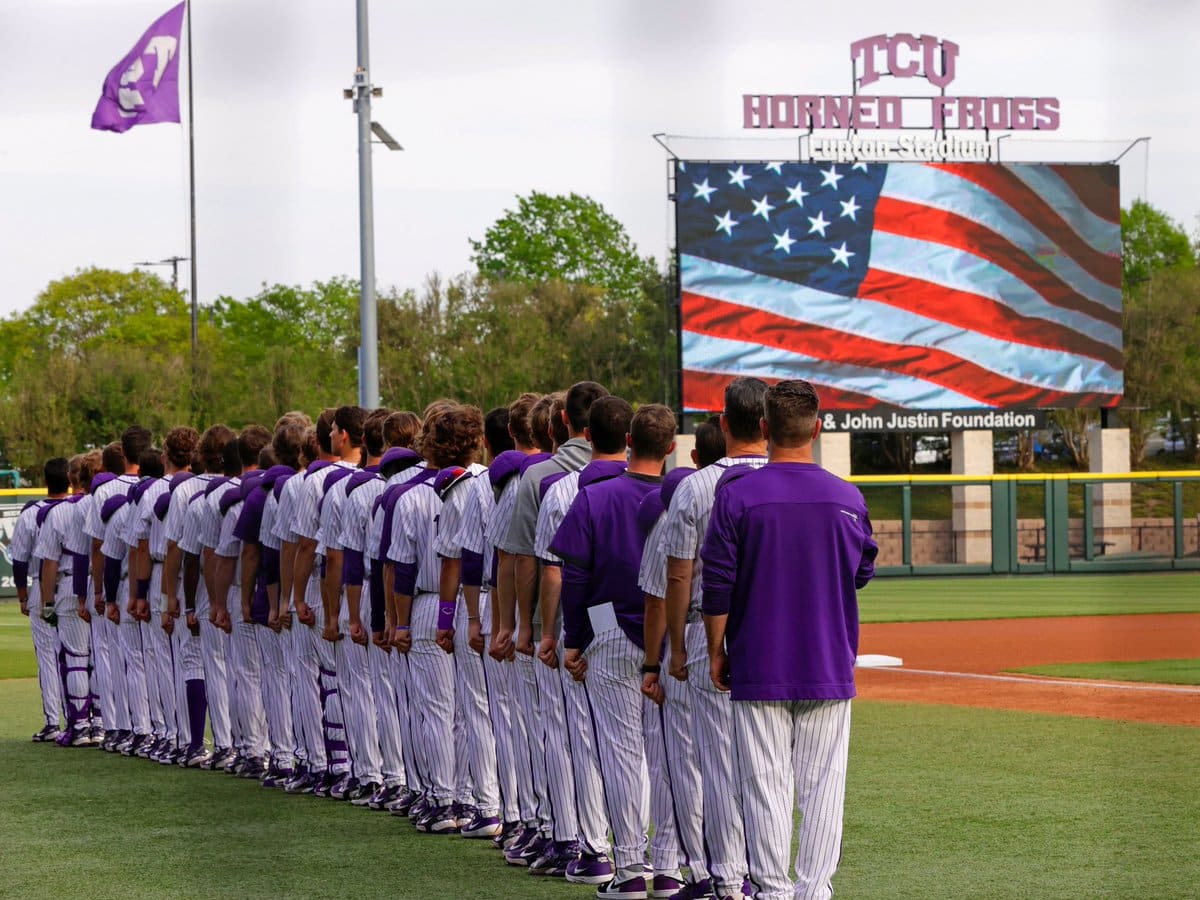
{"x":411,"y":747}
{"x":556,"y":748}
{"x":214,"y":650}
{"x":472,"y":701}
{"x":498,"y":679}
{"x":712,"y":727}
{"x":74,"y":637}
{"x":585,"y":764}
{"x":683,"y":770}
{"x":526,"y":716}
{"x":304,"y":677}
{"x":187,"y":664}
{"x":45,"y":646}
{"x":632,"y":755}
{"x":245,"y":679}
{"x":333,"y":717}
{"x":387,"y":713}
{"x":160,"y":678}
{"x":792,"y":749}
{"x":276,"y":703}
{"x":132,"y":665}
{"x":358,"y":696}
{"x":432,"y":698}
{"x":101,"y":673}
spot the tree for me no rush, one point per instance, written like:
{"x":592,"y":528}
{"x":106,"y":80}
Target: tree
{"x":96,"y":352}
{"x":571,"y":238}
{"x":1151,"y":241}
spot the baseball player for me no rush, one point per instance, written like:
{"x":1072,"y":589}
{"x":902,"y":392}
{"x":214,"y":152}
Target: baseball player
{"x":45,"y":634}
{"x":146,"y":610}
{"x":245,"y":660}
{"x":191,"y":698}
{"x":564,"y":704}
{"x":782,"y":639}
{"x":61,"y":551}
{"x":82,"y":470}
{"x":350,"y":657}
{"x":711,"y":724}
{"x":683,"y":765}
{"x":477,"y":763}
{"x":532,"y":791}
{"x":571,"y":454}
{"x":300,"y":524}
{"x":601,"y":545}
{"x":127,"y":672}
{"x":112,"y":465}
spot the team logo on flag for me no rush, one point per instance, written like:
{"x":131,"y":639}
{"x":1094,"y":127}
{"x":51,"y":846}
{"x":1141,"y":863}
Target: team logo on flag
{"x":143,"y":87}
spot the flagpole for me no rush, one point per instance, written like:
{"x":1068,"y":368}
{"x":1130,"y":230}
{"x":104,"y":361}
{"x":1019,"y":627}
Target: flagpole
{"x":192,"y":200}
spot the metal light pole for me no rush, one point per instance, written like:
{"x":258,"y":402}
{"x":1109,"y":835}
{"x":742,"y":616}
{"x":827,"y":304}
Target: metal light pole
{"x":361,"y":94}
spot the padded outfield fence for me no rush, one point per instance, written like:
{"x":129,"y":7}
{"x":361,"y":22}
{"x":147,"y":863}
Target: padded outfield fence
{"x":1034,"y":523}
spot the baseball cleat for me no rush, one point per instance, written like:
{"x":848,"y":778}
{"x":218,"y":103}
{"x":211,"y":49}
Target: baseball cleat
{"x":344,"y":786}
{"x":554,"y":861}
{"x":442,"y":821}
{"x":419,"y":808}
{"x":253,"y":767}
{"x":47,"y":734}
{"x":508,"y":834}
{"x":526,"y":854}
{"x":324,"y":783}
{"x":591,"y":868}
{"x":694,"y":890}
{"x":481,"y":826}
{"x":630,"y":889}
{"x":362,"y":793}
{"x":381,"y":799}
{"x":198,"y":759}
{"x":663,"y":887}
{"x":403,"y":802}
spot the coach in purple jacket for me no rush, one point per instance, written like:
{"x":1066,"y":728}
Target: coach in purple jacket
{"x":787,"y":548}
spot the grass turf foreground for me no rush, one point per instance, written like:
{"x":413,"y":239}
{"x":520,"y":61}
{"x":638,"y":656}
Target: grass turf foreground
{"x":942,"y":802}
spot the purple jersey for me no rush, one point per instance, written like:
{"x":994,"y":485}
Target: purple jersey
{"x":787,"y":548}
{"x":601,"y":547}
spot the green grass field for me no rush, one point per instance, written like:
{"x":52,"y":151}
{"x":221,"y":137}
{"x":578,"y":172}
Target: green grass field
{"x":1158,"y":671}
{"x":942,"y":802}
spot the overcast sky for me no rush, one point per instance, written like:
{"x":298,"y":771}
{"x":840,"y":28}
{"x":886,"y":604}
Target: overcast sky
{"x":492,"y":100}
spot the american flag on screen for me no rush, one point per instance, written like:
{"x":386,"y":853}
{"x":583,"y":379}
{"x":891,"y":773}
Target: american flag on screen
{"x":922,"y":286}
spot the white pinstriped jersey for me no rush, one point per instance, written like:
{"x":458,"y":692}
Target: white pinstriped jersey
{"x":306,"y":518}
{"x":329,"y":512}
{"x":450,"y":518}
{"x":414,"y":530}
{"x":472,"y":529}
{"x":177,"y":510}
{"x":93,"y":525}
{"x":192,"y":517}
{"x":289,"y":499}
{"x":375,"y":531}
{"x":356,"y":516}
{"x":228,"y":545}
{"x":687,"y":519}
{"x":502,"y":510}
{"x":210,"y":516}
{"x":24,"y":534}
{"x":553,"y":510}
{"x":60,"y":536}
{"x":652,"y":574}
{"x":266,"y":534}
{"x":144,"y":524}
{"x":114,"y":544}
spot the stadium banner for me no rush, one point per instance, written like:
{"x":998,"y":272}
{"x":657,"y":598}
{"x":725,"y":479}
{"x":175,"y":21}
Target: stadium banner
{"x":928,"y":421}
{"x":902,"y":286}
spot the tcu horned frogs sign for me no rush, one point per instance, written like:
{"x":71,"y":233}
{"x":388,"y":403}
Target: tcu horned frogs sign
{"x":932,"y":286}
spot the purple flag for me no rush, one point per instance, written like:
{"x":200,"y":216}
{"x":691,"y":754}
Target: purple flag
{"x":143,"y":88}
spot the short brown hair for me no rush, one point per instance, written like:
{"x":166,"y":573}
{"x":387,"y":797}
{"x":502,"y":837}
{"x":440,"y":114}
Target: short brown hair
{"x":295,"y":415}
{"x":400,"y":429}
{"x":373,"y":432}
{"x":351,"y":420}
{"x":452,"y":438}
{"x":652,"y":431}
{"x":791,"y":409}
{"x":112,"y":458}
{"x":288,"y":443}
{"x":212,"y":446}
{"x":89,"y":467}
{"x":558,"y":428}
{"x":518,"y":419}
{"x":74,"y":465}
{"x":325,"y":429}
{"x":179,"y":445}
{"x":608,"y":423}
{"x":710,"y":441}
{"x":310,"y":446}
{"x":539,"y":424}
{"x":251,"y":442}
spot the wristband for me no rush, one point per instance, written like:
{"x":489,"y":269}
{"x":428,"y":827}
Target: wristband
{"x":651,"y":670}
{"x":402,"y":627}
{"x":472,"y":618}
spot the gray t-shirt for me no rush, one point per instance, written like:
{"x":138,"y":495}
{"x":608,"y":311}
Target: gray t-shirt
{"x":522,"y":531}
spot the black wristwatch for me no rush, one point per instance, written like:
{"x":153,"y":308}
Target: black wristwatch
{"x":652,"y":670}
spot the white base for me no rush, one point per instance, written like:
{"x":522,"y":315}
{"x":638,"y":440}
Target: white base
{"x":877,"y":661}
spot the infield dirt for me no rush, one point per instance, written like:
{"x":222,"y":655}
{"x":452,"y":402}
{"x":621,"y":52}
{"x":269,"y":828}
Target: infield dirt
{"x":965,"y":664}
